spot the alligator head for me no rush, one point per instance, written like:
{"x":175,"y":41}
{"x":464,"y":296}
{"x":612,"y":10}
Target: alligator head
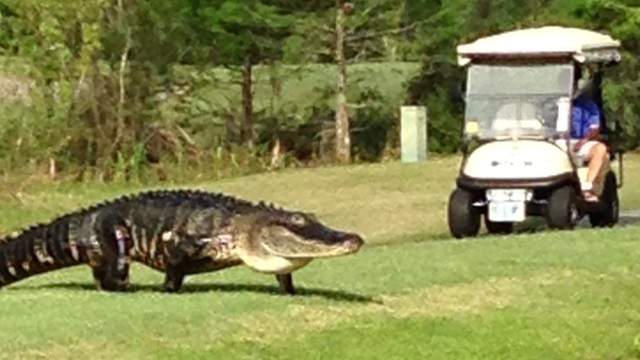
{"x":279,"y":242}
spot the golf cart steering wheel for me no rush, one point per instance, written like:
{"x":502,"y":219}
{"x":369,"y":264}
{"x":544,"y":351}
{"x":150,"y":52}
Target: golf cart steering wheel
{"x":547,"y":112}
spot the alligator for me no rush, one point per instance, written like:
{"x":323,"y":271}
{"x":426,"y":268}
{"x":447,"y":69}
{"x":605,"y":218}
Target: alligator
{"x":178,"y":232}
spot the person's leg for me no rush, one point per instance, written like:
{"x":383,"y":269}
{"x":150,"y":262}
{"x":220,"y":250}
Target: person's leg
{"x":595,"y":154}
{"x":597,"y":157}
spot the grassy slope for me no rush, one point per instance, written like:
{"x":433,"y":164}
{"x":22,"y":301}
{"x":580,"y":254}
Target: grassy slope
{"x":555,"y":295}
{"x":386,"y":202}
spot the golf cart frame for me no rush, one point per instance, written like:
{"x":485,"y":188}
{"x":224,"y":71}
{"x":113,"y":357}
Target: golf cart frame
{"x":509,"y":171}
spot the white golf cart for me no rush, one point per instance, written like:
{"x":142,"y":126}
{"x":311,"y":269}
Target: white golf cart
{"x":517,"y":156}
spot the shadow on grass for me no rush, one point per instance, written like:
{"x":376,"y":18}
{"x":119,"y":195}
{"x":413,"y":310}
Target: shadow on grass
{"x":226,"y":288}
{"x":629,"y":219}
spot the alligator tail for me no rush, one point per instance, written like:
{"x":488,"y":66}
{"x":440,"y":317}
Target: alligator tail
{"x":37,"y":250}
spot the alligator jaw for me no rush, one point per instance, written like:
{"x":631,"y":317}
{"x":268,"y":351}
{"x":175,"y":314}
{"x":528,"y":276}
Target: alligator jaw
{"x":327,"y":253}
{"x":280,"y":242}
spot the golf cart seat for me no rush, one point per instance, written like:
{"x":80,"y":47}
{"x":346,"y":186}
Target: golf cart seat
{"x":514,"y":115}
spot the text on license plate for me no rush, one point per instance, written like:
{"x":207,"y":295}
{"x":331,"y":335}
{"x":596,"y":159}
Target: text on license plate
{"x":507,"y":211}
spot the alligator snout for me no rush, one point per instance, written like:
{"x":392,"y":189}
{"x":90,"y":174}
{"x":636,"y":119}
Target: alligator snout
{"x":353,"y":242}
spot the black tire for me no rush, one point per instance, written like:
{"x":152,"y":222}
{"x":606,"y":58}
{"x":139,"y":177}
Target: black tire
{"x":463,"y":218}
{"x":497,"y":227}
{"x":562,"y":210}
{"x":608,"y":213}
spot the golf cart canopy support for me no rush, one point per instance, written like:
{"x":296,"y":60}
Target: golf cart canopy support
{"x":583,"y":46}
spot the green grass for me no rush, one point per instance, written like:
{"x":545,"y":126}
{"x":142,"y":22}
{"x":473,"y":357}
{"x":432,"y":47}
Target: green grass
{"x":557,"y":295}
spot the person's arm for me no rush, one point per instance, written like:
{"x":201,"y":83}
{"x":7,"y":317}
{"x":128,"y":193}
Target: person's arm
{"x":593,"y":134}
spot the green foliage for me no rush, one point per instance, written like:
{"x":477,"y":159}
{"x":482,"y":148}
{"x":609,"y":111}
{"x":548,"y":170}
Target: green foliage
{"x":292,"y":103}
{"x":245,"y":29}
{"x":438,"y":86}
{"x":130,"y":167}
{"x":622,"y":90}
{"x":160,"y":79}
{"x":372,"y":125}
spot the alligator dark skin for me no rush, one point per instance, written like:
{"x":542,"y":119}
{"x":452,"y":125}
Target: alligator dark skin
{"x":180,"y":233}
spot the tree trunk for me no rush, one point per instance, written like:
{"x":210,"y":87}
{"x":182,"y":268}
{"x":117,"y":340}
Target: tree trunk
{"x":276,"y":154}
{"x":122,"y":94}
{"x":483,"y":8}
{"x":343,"y":140}
{"x":53,"y":171}
{"x":247,"y":134}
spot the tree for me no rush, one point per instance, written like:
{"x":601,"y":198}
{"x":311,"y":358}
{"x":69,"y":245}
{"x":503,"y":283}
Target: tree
{"x":246,"y":34}
{"x":343,"y":138}
{"x":622,"y":89}
{"x":378,"y":21}
{"x":361,"y":31}
{"x":96,"y":63}
{"x":60,"y":43}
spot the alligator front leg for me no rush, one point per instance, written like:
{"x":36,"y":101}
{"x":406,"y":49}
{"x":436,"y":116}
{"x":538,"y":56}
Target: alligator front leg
{"x":173,"y":279}
{"x":286,"y":283}
{"x":177,"y":261}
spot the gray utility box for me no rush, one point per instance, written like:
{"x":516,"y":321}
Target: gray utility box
{"x":413,"y":133}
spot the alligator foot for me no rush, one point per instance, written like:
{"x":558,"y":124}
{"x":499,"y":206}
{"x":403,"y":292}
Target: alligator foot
{"x":286,"y":284}
{"x":173,"y":280}
{"x":109,"y":283}
{"x":110,"y":280}
{"x":115,"y":285}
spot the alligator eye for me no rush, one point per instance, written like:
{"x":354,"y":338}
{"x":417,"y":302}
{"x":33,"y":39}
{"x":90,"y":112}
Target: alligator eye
{"x":298,"y":220}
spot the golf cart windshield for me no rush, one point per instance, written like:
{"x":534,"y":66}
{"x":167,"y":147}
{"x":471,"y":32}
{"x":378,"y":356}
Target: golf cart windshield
{"x":518,"y":101}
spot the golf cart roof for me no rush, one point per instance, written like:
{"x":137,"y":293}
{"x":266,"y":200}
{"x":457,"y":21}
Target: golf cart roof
{"x":583,"y":46}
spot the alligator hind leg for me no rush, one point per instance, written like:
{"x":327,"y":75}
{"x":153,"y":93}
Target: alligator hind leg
{"x":111,"y":265}
{"x":111,"y":278}
{"x":286,"y":283}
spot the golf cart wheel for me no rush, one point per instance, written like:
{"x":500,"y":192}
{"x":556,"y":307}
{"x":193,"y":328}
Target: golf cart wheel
{"x":463,"y":218}
{"x":562,"y":211}
{"x":497,"y":227}
{"x":609,"y":213}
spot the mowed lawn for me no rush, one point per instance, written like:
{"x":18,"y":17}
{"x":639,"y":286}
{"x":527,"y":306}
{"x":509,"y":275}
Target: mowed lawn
{"x":412,"y":293}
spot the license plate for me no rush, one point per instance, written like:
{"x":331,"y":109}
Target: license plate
{"x":503,"y":195}
{"x":507,"y":211}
